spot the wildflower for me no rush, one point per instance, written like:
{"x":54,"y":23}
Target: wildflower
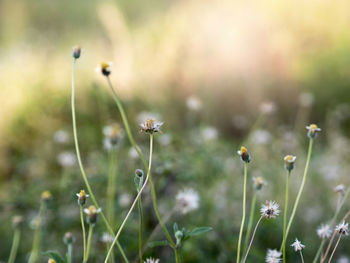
{"x":17,"y":221}
{"x":297,"y":245}
{"x":340,"y":189}
{"x":82,"y":197}
{"x":312,"y":130}
{"x":342,"y":228}
{"x":105,"y":68}
{"x":51,"y":260}
{"x":92,"y":212}
{"x":258,"y":182}
{"x":270,"y":209}
{"x":46,"y":196}
{"x":324,"y":231}
{"x":61,"y":137}
{"x":113,"y":134}
{"x":67,"y":159}
{"x":151,"y":126}
{"x":243,"y":152}
{"x":68,"y":238}
{"x":209,"y":134}
{"x":193,"y":103}
{"x":187,"y":200}
{"x":289,"y":162}
{"x":107,"y":238}
{"x":76,"y":52}
{"x":151,"y":260}
{"x":273,"y":256}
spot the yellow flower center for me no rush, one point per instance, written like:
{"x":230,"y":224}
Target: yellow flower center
{"x":82,"y":193}
{"x":243,"y":150}
{"x":51,"y":261}
{"x":92,"y":209}
{"x":259,"y":180}
{"x":46,"y":195}
{"x":104,"y":65}
{"x":149,"y":123}
{"x":289,"y":158}
{"x":313,"y":127}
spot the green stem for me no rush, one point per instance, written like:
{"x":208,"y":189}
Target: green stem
{"x":177,"y":255}
{"x":111,"y":187}
{"x":84,"y":233}
{"x":15,"y":244}
{"x":251,"y":241}
{"x":319,"y":250}
{"x":70,"y":252}
{"x":36,"y":240}
{"x":140,"y":229}
{"x":243,"y":216}
{"x":135,"y":201}
{"x":109,"y":228}
{"x":91,"y":227}
{"x":285,"y":217}
{"x":250,"y":223}
{"x":300,"y":190}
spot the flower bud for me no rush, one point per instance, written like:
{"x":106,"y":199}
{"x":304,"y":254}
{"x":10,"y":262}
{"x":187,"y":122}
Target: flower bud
{"x":243,"y":153}
{"x":76,"y":52}
{"x":46,"y":196}
{"x":68,"y":238}
{"x":178,"y":235}
{"x":312,"y":130}
{"x":105,"y":68}
{"x":92,"y":212}
{"x":82,"y":197}
{"x":17,"y":221}
{"x":289,"y":162}
{"x":258,"y":182}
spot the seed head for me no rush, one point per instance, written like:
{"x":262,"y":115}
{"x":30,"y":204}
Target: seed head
{"x":187,"y":200}
{"x":297,"y":245}
{"x":340,"y":189}
{"x":82,"y":197}
{"x":150,"y":126}
{"x":76,"y":52}
{"x":312,"y":130}
{"x":105,"y":68}
{"x":92,"y":212}
{"x":289,"y":162}
{"x":342,"y":228}
{"x":324,"y":231}
{"x":270,"y":209}
{"x":243,"y":153}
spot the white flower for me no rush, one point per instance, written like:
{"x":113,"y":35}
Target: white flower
{"x":193,"y":103}
{"x":306,"y":99}
{"x":187,"y":200}
{"x":324,"y":231}
{"x":209,"y":134}
{"x":342,"y":228}
{"x":124,"y":199}
{"x":270,"y":210}
{"x":151,"y":260}
{"x":106,"y":238}
{"x":92,"y":210}
{"x":273,"y":256}
{"x":61,"y":137}
{"x":261,"y":137}
{"x":268,"y":107}
{"x":297,"y":245}
{"x":340,"y":189}
{"x":151,"y":126}
{"x":67,"y":159}
{"x":165,"y":139}
{"x":312,"y":130}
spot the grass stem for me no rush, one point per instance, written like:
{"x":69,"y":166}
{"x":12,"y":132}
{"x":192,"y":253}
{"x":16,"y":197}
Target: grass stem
{"x":243,"y":216}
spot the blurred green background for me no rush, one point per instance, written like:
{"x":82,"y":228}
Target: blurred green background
{"x":218,"y":73}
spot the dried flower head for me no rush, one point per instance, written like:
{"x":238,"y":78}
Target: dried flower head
{"x":297,"y":245}
{"x":68,"y":238}
{"x":46,"y":196}
{"x":92,"y":212}
{"x":51,"y":260}
{"x":289,"y":162}
{"x":270,"y":209}
{"x":273,"y":256}
{"x":258,"y":182}
{"x":17,"y":221}
{"x":151,"y":126}
{"x":324,"y":231}
{"x":340,"y":189}
{"x":312,"y":130}
{"x":243,"y":153}
{"x":82,"y":195}
{"x":342,"y":228}
{"x":187,"y":200}
{"x":105,"y":68}
{"x":76,"y":52}
{"x":151,"y":260}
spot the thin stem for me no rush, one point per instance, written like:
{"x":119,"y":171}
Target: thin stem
{"x":111,"y":187}
{"x":75,"y":135}
{"x":84,"y":233}
{"x":70,"y":252}
{"x":285,"y":217}
{"x":140,"y":229}
{"x":300,"y":189}
{"x":301,"y":256}
{"x":243,"y":216}
{"x":319,"y":251}
{"x":336,"y":245}
{"x":251,"y":241}
{"x":36,"y":240}
{"x":91,"y":227}
{"x":135,"y":201}
{"x":177,"y":255}
{"x":250,"y":223}
{"x":15,"y":244}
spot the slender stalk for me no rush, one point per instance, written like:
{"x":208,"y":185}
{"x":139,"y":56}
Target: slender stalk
{"x":243,"y":216}
{"x":177,"y":255}
{"x":91,"y":227}
{"x":36,"y":240}
{"x":135,"y":201}
{"x":84,"y":233}
{"x":285,"y":218}
{"x":15,"y":244}
{"x":82,"y":170}
{"x":111,"y":187}
{"x":297,"y":200}
{"x":140,"y":229}
{"x":336,"y":245}
{"x":251,"y":241}
{"x":318,"y":253}
{"x":250,"y":223}
{"x":70,"y":252}
{"x":301,"y":256}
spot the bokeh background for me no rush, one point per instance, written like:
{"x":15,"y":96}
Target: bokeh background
{"x":218,"y":73}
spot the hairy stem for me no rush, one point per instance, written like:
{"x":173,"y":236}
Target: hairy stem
{"x":243,"y":216}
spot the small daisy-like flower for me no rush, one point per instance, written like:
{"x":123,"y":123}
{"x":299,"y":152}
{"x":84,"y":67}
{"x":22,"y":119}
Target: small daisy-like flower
{"x":68,"y":238}
{"x":151,"y":126}
{"x":92,"y":212}
{"x":342,"y":228}
{"x":105,"y":68}
{"x":51,"y":260}
{"x":270,"y":209}
{"x":258,"y":182}
{"x":289,"y":162}
{"x":273,"y":256}
{"x":340,"y":189}
{"x":82,"y":197}
{"x":46,"y":196}
{"x":187,"y":200}
{"x":151,"y":260}
{"x":76,"y":52}
{"x":297,"y":245}
{"x":243,"y":153}
{"x":324,"y":231}
{"x":312,"y":130}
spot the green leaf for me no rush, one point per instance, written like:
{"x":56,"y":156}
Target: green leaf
{"x":55,"y":256}
{"x":176,"y":228}
{"x":199,"y":230}
{"x":158,"y":243}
